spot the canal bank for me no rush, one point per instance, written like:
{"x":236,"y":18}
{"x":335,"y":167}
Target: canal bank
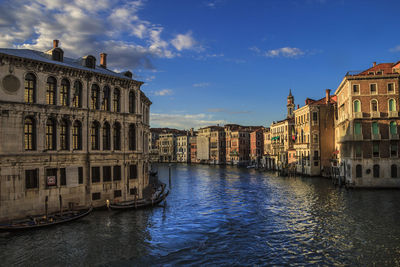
{"x":222,"y":215}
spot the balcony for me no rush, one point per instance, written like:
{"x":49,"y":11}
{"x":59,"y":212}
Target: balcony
{"x":394,"y":136}
{"x":375,"y":114}
{"x":357,"y":115}
{"x":393,"y":114}
{"x":351,"y":137}
{"x":376,"y":137}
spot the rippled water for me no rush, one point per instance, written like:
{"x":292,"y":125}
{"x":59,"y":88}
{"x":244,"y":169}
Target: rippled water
{"x":227,"y":216}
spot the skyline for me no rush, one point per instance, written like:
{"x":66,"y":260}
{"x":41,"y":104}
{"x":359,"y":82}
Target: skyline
{"x":215,"y":62}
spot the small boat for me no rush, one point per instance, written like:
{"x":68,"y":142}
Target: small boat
{"x":153,"y":173}
{"x":251,"y":166}
{"x":158,"y":197}
{"x":32,"y":222}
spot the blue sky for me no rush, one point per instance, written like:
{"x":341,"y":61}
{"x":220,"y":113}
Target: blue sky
{"x":215,"y":61}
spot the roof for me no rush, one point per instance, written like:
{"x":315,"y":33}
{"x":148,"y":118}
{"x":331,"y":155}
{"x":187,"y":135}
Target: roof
{"x":322,"y":101}
{"x":67,"y":62}
{"x":386,"y":68}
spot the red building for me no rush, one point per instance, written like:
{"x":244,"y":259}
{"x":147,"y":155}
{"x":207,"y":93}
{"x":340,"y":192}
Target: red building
{"x":256,"y":144}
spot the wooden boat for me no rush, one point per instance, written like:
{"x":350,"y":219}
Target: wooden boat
{"x":159,"y":196}
{"x":153,"y":173}
{"x":44,"y":221}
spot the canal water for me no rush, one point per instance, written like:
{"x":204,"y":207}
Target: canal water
{"x":225,"y":216}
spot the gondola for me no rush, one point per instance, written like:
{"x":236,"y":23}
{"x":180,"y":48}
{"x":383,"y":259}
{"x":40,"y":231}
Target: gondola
{"x":153,"y":173}
{"x":33,"y":222}
{"x":159,"y":196}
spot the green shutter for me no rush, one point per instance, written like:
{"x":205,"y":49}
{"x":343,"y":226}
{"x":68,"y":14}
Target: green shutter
{"x":393,"y":127}
{"x":391,"y":105}
{"x":357,"y":128}
{"x":375,"y":128}
{"x":357,"y":106}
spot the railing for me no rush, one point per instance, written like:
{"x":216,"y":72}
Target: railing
{"x":376,"y":137}
{"x":394,"y":136}
{"x":375,"y":114}
{"x":393,"y":114}
{"x":357,"y":115}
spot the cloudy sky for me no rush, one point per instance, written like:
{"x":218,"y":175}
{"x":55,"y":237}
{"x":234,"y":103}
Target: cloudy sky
{"x":215,"y":61}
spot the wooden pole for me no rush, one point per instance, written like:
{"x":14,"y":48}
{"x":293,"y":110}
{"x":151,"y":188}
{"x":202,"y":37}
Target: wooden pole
{"x":169,"y":171}
{"x":46,"y":206}
{"x":60,"y":197}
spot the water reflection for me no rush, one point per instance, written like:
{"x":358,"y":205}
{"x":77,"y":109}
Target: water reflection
{"x":227,"y":216}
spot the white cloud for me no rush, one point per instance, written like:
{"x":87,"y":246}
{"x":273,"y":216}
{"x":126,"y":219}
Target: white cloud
{"x":183,"y":121}
{"x":203,"y":84}
{"x":290,"y":52}
{"x":227,"y":111}
{"x":395,"y":49}
{"x":163,"y":92}
{"x":89,"y":27}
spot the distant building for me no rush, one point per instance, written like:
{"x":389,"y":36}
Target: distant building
{"x":217,"y":145}
{"x":193,"y":149}
{"x":257,"y":145}
{"x":167,"y":147}
{"x":367,"y":126}
{"x":183,"y":149}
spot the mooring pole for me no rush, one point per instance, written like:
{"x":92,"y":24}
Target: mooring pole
{"x":46,"y":206}
{"x":60,"y":204}
{"x":169,"y":172}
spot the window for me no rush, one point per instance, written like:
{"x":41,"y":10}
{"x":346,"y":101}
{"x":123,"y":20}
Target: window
{"x":29,"y":134}
{"x":77,"y":98}
{"x":64,"y":137}
{"x":133,"y":191}
{"x":132,"y":137}
{"x":94,"y":135}
{"x":393,"y":171}
{"x":63,"y":177}
{"x":357,"y":106}
{"x":77,"y":135}
{"x":50,"y":134}
{"x":356,"y":88}
{"x":375,"y":128}
{"x":106,"y":99}
{"x":393,"y":127}
{"x":30,"y":88}
{"x":95,"y":101}
{"x":375,"y":150}
{"x":374,"y":105}
{"x":376,"y":171}
{"x":117,"y":193}
{"x":358,"y":151}
{"x":95,"y":174}
{"x":64,"y":93}
{"x":116,"y":100}
{"x":358,"y":171}
{"x":315,"y":116}
{"x":80,"y":175}
{"x":132,"y":100}
{"x":117,"y":136}
{"x":132,"y":171}
{"x":392,"y":105}
{"x":390,"y":88}
{"x":315,"y":138}
{"x":117,"y":173}
{"x":106,"y":136}
{"x":372,"y":88}
{"x":96,"y":196}
{"x":393,"y":150}
{"x":51,"y":91}
{"x":106,"y":173}
{"x":357,"y":128}
{"x":31,"y":179}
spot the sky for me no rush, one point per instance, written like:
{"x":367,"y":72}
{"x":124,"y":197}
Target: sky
{"x":208,"y":62}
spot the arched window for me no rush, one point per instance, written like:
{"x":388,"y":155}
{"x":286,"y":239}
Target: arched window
{"x":77,"y":135}
{"x":95,"y":103}
{"x":50,"y":134}
{"x":393,"y":171}
{"x":117,"y":136}
{"x":64,"y":93}
{"x":357,"y":106}
{"x":376,"y":171}
{"x":375,"y":128}
{"x":393,"y":127}
{"x":374,"y":105}
{"x":106,"y":136}
{"x":106,"y":98}
{"x":132,"y":137}
{"x":359,"y":171}
{"x":51,"y":91}
{"x":116,"y":100}
{"x":64,"y":135}
{"x":30,"y":88}
{"x":29,"y":134}
{"x":392,"y":105}
{"x":132,"y":100}
{"x":77,"y":99}
{"x":94,"y":135}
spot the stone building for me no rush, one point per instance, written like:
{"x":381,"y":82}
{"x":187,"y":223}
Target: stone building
{"x":183,"y":149}
{"x":217,"y":145}
{"x":257,"y":145}
{"x":193,"y":148}
{"x":167,"y":147}
{"x":70,"y":130}
{"x":367,"y":126}
{"x":315,"y":135}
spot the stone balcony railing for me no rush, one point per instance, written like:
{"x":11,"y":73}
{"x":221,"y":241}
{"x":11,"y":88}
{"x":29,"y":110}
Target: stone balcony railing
{"x":375,"y":114}
{"x":394,"y":136}
{"x":357,"y":115}
{"x":351,"y":137}
{"x":393,"y":114}
{"x":376,"y":136}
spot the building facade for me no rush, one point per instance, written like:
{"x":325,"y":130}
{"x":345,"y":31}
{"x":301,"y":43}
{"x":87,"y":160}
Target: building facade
{"x":367,"y":126}
{"x":167,"y":147}
{"x":183,"y":149}
{"x":70,"y":130}
{"x":257,"y":145}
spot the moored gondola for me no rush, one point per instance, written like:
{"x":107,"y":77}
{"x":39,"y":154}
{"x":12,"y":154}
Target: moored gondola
{"x":33,"y":222}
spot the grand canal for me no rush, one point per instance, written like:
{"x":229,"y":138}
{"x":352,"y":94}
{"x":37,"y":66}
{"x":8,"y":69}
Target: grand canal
{"x":226,"y":216}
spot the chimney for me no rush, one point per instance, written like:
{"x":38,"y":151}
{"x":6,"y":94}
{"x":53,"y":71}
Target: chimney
{"x":374,"y":64}
{"x":55,"y":43}
{"x":327,"y":95}
{"x":103,"y":60}
{"x":298,"y":106}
